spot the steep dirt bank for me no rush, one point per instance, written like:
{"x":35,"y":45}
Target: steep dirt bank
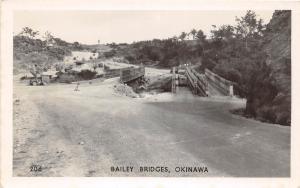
{"x":158,"y":79}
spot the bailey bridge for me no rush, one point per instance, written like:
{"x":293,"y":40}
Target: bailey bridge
{"x":207,"y":84}
{"x":131,"y":73}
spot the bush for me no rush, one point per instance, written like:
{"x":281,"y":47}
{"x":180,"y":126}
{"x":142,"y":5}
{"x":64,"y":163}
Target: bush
{"x":87,"y":74}
{"x":109,"y":54}
{"x":106,"y":67}
{"x":130,"y":58}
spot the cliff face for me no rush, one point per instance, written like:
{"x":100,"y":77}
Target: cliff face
{"x":277,"y":44}
{"x":278,"y":48}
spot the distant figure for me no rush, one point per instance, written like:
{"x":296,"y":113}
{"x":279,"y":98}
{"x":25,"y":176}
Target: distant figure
{"x":77,"y":87}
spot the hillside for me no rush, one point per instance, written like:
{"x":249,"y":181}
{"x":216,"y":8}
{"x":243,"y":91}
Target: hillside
{"x":272,"y":101}
{"x":29,"y":51}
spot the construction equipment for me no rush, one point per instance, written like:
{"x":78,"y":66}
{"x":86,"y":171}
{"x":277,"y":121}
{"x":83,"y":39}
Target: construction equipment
{"x":36,"y":80}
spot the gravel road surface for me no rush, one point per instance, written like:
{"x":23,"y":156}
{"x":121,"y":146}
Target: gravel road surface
{"x":85,"y":133}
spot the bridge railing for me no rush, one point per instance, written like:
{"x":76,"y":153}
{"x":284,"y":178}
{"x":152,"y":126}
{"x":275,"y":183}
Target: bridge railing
{"x":223,"y":85}
{"x":110,"y":73}
{"x":131,"y":73}
{"x":197,"y":81}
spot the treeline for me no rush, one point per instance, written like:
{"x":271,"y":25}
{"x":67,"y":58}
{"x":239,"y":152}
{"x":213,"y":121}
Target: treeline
{"x":164,"y":53}
{"x":234,"y":52}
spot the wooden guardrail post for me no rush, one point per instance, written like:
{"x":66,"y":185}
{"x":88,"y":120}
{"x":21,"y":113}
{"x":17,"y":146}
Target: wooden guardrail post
{"x":231,"y":91}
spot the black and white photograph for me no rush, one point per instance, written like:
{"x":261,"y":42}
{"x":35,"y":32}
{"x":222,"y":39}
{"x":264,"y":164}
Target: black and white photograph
{"x":151,"y":93}
{"x":97,"y":94}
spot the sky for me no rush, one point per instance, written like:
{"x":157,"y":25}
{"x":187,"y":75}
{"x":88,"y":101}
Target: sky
{"x":87,"y":27}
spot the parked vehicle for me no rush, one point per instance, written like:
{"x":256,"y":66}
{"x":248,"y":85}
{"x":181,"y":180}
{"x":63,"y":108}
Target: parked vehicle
{"x":36,"y":81}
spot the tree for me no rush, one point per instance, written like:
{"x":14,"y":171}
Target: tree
{"x":200,"y":35}
{"x":193,"y":33}
{"x":59,"y":66}
{"x":249,"y":27}
{"x":77,"y":45}
{"x":225,"y":32}
{"x":48,"y":37}
{"x":182,"y":36}
{"x":28,"y":32}
{"x":174,"y":38}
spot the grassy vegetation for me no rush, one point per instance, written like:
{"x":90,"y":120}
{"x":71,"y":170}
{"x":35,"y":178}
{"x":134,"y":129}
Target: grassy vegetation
{"x":29,"y":50}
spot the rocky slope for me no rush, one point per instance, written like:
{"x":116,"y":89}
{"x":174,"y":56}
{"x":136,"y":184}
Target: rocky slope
{"x":276,"y":107}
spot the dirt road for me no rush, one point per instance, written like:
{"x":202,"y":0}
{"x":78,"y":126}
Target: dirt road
{"x":87,"y":132}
